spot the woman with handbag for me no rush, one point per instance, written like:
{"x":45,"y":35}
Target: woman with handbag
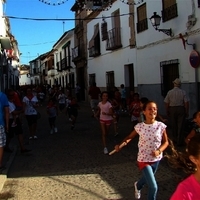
{"x":30,"y":103}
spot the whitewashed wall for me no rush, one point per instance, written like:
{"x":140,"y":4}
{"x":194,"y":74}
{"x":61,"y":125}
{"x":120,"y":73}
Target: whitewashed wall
{"x":154,"y":47}
{"x":24,"y":80}
{"x":112,"y":60}
{"x":2,"y":21}
{"x":68,"y":37}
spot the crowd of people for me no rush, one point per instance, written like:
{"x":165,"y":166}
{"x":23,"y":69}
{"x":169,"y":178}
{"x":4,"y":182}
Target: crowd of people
{"x":106,"y":106}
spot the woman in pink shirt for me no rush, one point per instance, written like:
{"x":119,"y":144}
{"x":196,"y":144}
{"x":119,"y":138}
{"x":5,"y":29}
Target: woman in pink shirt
{"x":188,"y":189}
{"x":105,"y":112}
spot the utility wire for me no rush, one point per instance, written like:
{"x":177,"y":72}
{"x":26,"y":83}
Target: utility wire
{"x":36,"y":44}
{"x":69,"y":19}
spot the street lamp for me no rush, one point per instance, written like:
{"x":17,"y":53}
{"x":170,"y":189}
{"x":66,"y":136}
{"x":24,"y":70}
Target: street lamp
{"x":155,"y":21}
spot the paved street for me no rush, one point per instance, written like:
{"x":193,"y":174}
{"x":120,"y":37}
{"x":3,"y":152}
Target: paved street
{"x":70,"y":165}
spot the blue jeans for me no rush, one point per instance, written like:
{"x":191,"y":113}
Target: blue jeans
{"x":149,"y":179}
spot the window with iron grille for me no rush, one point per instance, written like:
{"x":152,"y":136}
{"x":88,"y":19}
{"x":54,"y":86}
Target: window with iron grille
{"x":142,"y":24}
{"x":169,"y":10}
{"x":92,"y":79}
{"x":169,"y":71}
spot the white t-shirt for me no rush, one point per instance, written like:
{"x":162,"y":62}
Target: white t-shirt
{"x":61,"y":98}
{"x":41,"y":95}
{"x":150,"y":138}
{"x":29,"y":109}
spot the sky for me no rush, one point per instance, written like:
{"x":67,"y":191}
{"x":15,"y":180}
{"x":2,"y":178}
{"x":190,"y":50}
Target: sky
{"x":36,"y":37}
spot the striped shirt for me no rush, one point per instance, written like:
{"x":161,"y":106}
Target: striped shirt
{"x":176,"y":97}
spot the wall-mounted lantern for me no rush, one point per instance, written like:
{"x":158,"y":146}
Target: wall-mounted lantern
{"x":155,"y":21}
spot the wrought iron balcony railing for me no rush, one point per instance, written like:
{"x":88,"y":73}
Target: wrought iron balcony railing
{"x":114,"y":39}
{"x":142,"y":25}
{"x":78,"y":52}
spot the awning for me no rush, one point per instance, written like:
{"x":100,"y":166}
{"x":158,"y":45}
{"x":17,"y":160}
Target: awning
{"x":5,"y":43}
{"x":96,"y":31}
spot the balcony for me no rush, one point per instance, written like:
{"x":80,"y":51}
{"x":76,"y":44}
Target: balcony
{"x":114,"y":39}
{"x":44,"y":72}
{"x":78,"y":53}
{"x":52,"y":72}
{"x":36,"y":71}
{"x":94,"y":51}
{"x":58,"y":66}
{"x":169,"y":13}
{"x":65,"y":63}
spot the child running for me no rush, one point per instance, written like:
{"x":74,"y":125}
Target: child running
{"x":189,"y":161}
{"x":52,"y":112}
{"x":152,"y":142}
{"x":196,"y":128}
{"x":106,"y":112}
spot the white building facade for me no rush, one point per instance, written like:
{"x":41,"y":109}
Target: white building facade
{"x":9,"y":54}
{"x":111,"y":46}
{"x":160,"y":57}
{"x":63,"y":60}
{"x":147,"y":60}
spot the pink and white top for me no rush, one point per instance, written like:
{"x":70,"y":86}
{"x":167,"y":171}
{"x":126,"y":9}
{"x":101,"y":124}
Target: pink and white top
{"x":188,"y":189}
{"x":150,"y":137}
{"x":105,"y":108}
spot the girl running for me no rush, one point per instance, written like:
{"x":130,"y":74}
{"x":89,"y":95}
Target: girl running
{"x":106,"y":112}
{"x":152,"y":142}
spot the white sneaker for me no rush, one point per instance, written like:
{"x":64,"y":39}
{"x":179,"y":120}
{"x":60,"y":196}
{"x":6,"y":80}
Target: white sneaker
{"x":51,"y":131}
{"x":137,"y":192}
{"x":105,"y":150}
{"x":55,"y":130}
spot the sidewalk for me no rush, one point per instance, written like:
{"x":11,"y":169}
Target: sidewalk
{"x":71,"y":165}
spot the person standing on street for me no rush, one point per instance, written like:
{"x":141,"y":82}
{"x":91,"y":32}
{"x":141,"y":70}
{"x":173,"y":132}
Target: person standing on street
{"x":4,"y":124}
{"x":177,"y":108}
{"x":30,"y":103}
{"x":52,"y":112}
{"x":17,"y":130}
{"x":123,"y":98}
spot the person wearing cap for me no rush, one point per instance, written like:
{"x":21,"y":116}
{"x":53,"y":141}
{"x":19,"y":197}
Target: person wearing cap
{"x":177,"y":108}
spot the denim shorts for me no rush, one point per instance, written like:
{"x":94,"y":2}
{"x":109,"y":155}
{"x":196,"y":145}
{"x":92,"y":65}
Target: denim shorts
{"x":2,"y":136}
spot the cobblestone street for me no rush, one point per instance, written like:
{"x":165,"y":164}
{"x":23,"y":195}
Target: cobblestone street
{"x":70,"y":164}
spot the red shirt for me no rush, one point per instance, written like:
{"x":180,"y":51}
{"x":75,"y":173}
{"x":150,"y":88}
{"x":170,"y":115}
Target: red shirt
{"x":16,"y":100}
{"x":94,"y":92}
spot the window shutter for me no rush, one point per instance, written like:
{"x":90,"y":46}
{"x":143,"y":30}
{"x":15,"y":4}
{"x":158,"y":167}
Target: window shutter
{"x":104,"y":31}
